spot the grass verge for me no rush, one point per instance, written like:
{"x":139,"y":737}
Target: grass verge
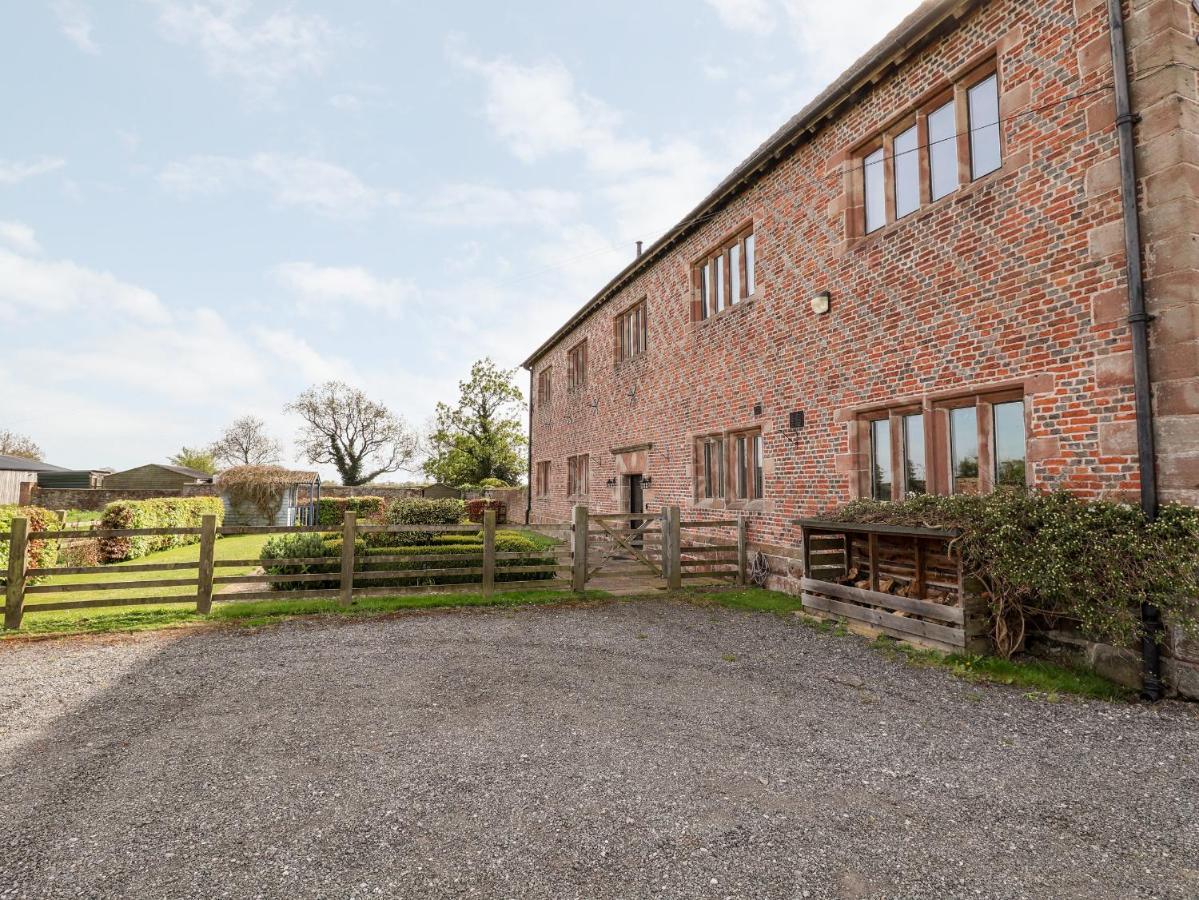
{"x":118,"y":619}
{"x":1042,"y":680}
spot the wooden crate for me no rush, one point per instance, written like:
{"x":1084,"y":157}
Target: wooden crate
{"x":851,"y":570}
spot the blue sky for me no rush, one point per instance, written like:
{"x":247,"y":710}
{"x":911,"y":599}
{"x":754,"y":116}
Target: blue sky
{"x":208,"y":205}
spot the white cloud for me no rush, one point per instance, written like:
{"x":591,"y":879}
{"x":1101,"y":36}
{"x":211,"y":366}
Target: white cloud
{"x":293,"y":181}
{"x":754,"y":16}
{"x":330,"y":289}
{"x":13,"y":171}
{"x":75,"y":20}
{"x":833,"y":35}
{"x":33,"y":288}
{"x":263,"y":52}
{"x":20,"y":237}
{"x":538,"y":111}
{"x":485,"y":206}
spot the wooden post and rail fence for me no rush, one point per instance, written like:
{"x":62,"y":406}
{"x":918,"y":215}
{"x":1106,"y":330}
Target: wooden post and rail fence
{"x":659,"y":547}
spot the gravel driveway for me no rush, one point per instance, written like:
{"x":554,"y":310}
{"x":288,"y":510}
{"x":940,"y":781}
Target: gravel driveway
{"x":621,"y":750}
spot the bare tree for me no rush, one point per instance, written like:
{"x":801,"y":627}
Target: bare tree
{"x":360,"y":438}
{"x":246,"y":443}
{"x":13,"y":444}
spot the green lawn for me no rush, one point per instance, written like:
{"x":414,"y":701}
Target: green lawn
{"x":244,"y":546}
{"x":83,"y":515}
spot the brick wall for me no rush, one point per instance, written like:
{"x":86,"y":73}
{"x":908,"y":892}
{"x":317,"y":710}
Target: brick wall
{"x":1016,"y":280}
{"x":98,"y":498}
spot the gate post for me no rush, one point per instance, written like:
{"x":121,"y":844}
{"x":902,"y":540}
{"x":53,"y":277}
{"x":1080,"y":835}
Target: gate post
{"x":742,"y":550}
{"x":207,"y":554}
{"x":349,"y":531}
{"x":18,"y":543}
{"x":579,"y":575}
{"x":488,"y":552}
{"x":672,"y":547}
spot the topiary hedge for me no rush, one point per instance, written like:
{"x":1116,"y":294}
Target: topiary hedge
{"x":43,"y":552}
{"x":300,"y":546}
{"x":1050,"y":557}
{"x":331,"y":511}
{"x":173,"y":512}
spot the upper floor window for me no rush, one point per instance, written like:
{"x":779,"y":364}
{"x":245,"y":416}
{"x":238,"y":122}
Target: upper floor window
{"x":545,"y":386}
{"x":576,"y":365}
{"x":542,"y":483}
{"x":577,"y":480}
{"x":726,"y":276}
{"x":632,"y":332}
{"x":982,"y":439}
{"x":932,"y":151}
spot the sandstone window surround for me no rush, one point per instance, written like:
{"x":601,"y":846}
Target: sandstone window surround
{"x":726,"y":275}
{"x":729,"y":469}
{"x":576,"y":366}
{"x":960,"y":445}
{"x":952,"y":138}
{"x":543,"y":478}
{"x":632,"y":332}
{"x":578,"y":479}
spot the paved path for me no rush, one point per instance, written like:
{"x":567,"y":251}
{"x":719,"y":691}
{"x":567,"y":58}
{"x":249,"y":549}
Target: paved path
{"x":621,"y":750}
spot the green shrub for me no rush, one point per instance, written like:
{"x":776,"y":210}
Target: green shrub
{"x":417,"y":511}
{"x":43,"y":552}
{"x":303,"y":545}
{"x":1051,"y":557}
{"x":173,"y":512}
{"x":493,"y":483}
{"x":331,"y":511}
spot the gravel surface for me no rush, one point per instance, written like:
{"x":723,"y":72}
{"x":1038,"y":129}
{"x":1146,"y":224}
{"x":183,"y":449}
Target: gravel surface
{"x":621,"y":750}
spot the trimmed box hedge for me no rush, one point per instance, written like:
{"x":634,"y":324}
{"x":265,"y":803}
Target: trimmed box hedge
{"x":173,"y":512}
{"x":312,"y":545}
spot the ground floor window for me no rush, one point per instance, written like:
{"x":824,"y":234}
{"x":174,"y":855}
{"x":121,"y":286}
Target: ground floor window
{"x":709,"y":468}
{"x":577,"y":481}
{"x":963,"y":445}
{"x":747,"y":460}
{"x":542,"y":485}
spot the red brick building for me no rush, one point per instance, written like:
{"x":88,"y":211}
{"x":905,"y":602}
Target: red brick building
{"x":919,"y":283}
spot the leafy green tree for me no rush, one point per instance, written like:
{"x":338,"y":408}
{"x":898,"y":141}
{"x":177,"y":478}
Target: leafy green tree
{"x":483,"y":436}
{"x":196,"y":458}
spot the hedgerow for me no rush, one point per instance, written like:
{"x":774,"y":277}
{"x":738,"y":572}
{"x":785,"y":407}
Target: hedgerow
{"x":1045,"y":558}
{"x":173,"y":512}
{"x":43,"y":552}
{"x":331,"y":511}
{"x":417,"y":511}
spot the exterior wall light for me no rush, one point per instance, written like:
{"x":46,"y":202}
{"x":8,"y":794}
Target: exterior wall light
{"x":821,"y":303}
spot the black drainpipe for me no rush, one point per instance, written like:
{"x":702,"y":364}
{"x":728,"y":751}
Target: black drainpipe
{"x":1138,"y":323}
{"x":529,"y":461}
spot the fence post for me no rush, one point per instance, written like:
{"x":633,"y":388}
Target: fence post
{"x":672,"y":540}
{"x":207,"y":555}
{"x":579,"y":579}
{"x":742,"y":550}
{"x":14,"y":595}
{"x":349,"y":531}
{"x":488,"y":552}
